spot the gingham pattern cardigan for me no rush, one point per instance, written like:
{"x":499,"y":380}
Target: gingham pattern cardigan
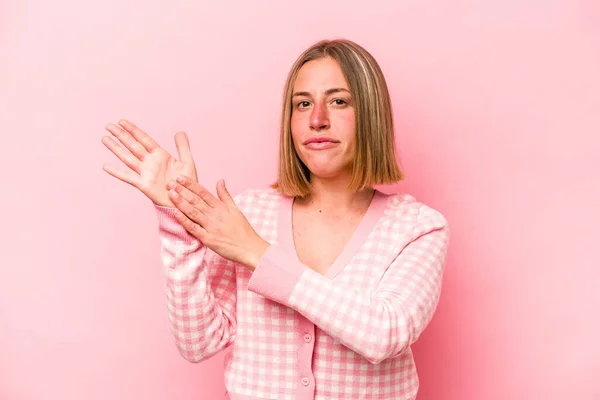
{"x":292,"y":333}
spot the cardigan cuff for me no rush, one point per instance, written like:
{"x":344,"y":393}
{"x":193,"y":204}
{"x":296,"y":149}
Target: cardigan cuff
{"x":169,"y":227}
{"x":276,"y":275}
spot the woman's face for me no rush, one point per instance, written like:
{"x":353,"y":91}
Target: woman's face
{"x":322,"y":120}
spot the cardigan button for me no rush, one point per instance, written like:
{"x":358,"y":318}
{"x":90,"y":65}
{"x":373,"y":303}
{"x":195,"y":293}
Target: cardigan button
{"x":307,"y":338}
{"x":305,"y":381}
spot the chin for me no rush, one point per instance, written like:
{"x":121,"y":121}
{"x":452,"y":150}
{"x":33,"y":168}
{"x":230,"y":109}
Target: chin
{"x":325,"y":171}
{"x":327,"y":166}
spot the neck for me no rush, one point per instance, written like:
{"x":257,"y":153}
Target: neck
{"x":333,"y":196}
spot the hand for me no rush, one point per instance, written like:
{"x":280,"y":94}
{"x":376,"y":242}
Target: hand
{"x":217,"y":222}
{"x":151,"y":165}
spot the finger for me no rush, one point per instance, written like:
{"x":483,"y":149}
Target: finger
{"x":123,"y":175}
{"x":183,"y":148}
{"x":139,"y":135}
{"x":193,"y":228}
{"x":122,"y":154}
{"x":128,"y":141}
{"x":224,"y":194}
{"x":190,"y":197}
{"x":198,"y":189}
{"x":189,"y":210}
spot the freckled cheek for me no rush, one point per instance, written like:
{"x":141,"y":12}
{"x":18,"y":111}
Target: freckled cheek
{"x":296,"y":123}
{"x":298,"y":126}
{"x":346,"y":126}
{"x":296,"y":142}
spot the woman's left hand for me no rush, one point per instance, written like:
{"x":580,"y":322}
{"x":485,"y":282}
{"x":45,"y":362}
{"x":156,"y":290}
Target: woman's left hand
{"x":217,"y":222}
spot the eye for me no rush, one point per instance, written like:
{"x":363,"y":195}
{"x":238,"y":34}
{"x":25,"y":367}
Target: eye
{"x":303,"y":104}
{"x":339,"y":102}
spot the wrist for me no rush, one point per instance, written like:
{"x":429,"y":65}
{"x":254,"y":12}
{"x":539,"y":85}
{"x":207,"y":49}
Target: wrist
{"x":255,"y":253}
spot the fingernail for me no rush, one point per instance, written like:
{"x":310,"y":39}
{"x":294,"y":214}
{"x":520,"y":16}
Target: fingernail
{"x":180,"y":179}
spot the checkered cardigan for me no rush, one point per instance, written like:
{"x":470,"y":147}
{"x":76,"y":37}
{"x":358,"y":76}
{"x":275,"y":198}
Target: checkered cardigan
{"x":292,"y":333}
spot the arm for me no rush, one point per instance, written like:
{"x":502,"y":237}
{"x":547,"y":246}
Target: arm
{"x":379,"y":326}
{"x":200,"y":290}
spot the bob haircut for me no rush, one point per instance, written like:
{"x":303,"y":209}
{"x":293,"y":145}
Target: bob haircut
{"x":375,"y":157}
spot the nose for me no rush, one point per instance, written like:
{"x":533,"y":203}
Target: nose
{"x":319,"y":117}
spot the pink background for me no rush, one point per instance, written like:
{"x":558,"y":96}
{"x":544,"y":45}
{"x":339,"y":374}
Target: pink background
{"x":498,"y":112}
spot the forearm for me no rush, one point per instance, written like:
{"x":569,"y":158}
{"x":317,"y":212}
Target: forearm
{"x":363,"y":324}
{"x":201,"y":323}
{"x":378,"y":325}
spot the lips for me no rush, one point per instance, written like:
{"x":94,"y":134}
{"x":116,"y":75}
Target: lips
{"x":320,"y":143}
{"x":321,"y":139}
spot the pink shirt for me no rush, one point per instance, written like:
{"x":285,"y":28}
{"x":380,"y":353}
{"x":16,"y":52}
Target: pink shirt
{"x":292,"y":333}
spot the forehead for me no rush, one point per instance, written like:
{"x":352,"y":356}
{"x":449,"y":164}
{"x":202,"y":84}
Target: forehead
{"x":320,"y":75}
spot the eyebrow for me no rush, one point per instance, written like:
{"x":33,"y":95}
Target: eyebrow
{"x":327,"y":92}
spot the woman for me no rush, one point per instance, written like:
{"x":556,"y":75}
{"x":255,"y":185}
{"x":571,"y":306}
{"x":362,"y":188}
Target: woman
{"x":320,"y":284}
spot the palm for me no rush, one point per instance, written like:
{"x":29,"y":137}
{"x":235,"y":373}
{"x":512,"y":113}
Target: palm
{"x":159,"y":168}
{"x":151,"y":166}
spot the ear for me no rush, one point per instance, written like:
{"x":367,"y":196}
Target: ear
{"x":224,"y":194}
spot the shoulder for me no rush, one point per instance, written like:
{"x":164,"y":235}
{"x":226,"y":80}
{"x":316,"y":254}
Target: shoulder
{"x":413,"y":216}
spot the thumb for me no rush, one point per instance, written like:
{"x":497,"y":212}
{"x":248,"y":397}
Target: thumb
{"x":183,"y":147}
{"x":224,"y":193}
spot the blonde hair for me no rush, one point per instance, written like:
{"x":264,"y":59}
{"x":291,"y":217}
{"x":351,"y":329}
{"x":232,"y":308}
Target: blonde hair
{"x":375,"y":157}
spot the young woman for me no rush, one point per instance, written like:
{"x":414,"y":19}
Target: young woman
{"x":319,"y":284}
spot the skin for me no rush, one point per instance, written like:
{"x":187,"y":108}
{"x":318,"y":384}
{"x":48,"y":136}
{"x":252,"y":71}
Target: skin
{"x":322,"y":107}
{"x":171,"y":182}
{"x":151,"y":167}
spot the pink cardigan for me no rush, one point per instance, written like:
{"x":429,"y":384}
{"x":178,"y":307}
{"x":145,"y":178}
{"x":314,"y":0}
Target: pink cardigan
{"x":293,"y":333}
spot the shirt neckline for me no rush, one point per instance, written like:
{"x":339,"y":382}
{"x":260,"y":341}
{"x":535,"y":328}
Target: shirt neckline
{"x":357,"y":239}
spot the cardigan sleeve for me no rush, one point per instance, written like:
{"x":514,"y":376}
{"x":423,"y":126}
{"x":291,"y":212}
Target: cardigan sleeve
{"x":200,"y":289}
{"x":380,"y":325}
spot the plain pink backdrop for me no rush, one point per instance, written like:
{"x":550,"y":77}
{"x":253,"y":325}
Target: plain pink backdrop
{"x":497,"y":106}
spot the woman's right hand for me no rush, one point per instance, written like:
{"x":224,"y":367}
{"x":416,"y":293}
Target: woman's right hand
{"x":151,"y":167}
